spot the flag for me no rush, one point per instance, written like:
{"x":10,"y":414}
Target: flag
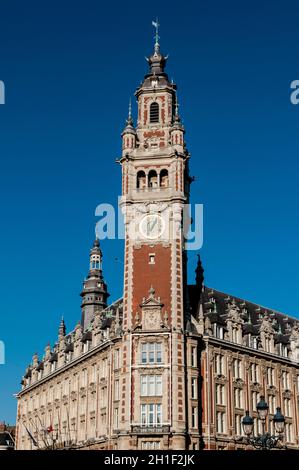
{"x":31,"y":437}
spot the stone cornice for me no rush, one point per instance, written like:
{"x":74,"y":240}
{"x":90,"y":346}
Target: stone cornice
{"x":249,"y":351}
{"x":69,"y":365}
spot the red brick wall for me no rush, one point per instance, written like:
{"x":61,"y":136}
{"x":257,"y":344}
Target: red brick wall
{"x":157,"y":275}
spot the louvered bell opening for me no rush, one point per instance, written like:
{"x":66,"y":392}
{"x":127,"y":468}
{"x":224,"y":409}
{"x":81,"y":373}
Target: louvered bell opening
{"x":154,"y":112}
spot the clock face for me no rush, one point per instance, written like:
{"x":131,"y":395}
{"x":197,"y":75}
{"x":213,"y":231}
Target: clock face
{"x":152,"y":226}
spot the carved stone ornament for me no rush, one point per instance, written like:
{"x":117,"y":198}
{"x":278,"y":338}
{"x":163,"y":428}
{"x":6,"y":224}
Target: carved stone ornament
{"x":151,"y":312}
{"x":238,"y":383}
{"x":233,"y":313}
{"x":255,"y":387}
{"x":266,"y":325}
{"x":220,"y":379}
{"x":271,"y":389}
{"x":295,"y":333}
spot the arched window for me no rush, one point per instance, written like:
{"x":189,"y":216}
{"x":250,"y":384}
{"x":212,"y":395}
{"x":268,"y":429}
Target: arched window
{"x":154,"y":112}
{"x":141,"y":180}
{"x":164,"y":179}
{"x":152,"y":179}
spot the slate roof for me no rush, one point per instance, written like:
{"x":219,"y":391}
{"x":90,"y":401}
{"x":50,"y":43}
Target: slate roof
{"x":215,"y":305}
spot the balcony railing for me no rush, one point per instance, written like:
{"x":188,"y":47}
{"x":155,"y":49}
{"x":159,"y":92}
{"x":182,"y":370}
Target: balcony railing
{"x":151,"y":429}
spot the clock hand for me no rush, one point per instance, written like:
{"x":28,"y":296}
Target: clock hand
{"x":152,"y":225}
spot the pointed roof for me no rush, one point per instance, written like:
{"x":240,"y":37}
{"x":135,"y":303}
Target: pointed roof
{"x":129,"y":127}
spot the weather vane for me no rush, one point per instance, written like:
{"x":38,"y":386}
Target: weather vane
{"x":156,"y":25}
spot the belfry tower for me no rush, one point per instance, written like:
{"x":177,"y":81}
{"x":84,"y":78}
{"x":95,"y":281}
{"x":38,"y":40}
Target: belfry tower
{"x":155,"y":188}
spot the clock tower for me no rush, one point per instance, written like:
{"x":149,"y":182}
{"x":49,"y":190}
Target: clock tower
{"x":155,"y":190}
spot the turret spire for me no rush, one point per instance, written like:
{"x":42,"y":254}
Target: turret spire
{"x":130,"y":121}
{"x":199,"y":274}
{"x":62,"y":329}
{"x":94,"y":294}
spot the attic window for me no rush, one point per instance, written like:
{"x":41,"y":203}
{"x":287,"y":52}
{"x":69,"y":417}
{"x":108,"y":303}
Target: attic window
{"x":154,"y":112}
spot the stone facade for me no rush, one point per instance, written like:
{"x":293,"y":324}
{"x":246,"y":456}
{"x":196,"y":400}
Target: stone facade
{"x":170,"y":365}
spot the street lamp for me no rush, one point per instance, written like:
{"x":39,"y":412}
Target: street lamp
{"x":264,"y":441}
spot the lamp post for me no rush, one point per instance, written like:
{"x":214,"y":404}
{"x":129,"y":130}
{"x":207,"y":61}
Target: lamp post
{"x":264,"y":441}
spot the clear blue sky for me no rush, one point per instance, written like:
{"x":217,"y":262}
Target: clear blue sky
{"x":69,"y":70}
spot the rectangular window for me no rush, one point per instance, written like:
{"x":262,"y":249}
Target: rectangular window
{"x":288,"y":432}
{"x":151,"y":414}
{"x":254,"y":373}
{"x":218,"y":331}
{"x":254,"y":400}
{"x":151,"y":258}
{"x":194,"y":416}
{"x":220,"y":422}
{"x":116,"y":390}
{"x":116,"y":418}
{"x":285,"y":380}
{"x":270,"y":376}
{"x":237,"y":369}
{"x":219,"y":361}
{"x":151,"y":353}
{"x":150,"y":445}
{"x":238,"y":396}
{"x":104,"y":367}
{"x":116,"y":359}
{"x":151,"y":385}
{"x":272,"y":404}
{"x":220,"y":394}
{"x":194,"y":387}
{"x":193,"y":356}
{"x":287,"y":406}
{"x":84,"y":378}
{"x":93,"y":373}
{"x":238,"y":425}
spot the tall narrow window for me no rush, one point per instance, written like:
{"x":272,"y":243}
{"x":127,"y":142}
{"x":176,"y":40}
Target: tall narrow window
{"x":193,"y":356}
{"x":237,"y":369}
{"x":116,"y":418}
{"x":220,"y":422}
{"x":154,"y":112}
{"x":194,"y":387}
{"x":194,"y":416}
{"x":219,"y":364}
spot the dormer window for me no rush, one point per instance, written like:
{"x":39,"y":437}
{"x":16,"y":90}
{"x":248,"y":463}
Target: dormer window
{"x":218,"y":331}
{"x":282,"y":350}
{"x":154,"y":112}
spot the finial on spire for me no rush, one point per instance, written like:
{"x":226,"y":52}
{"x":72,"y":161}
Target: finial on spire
{"x":130,"y":108}
{"x":130,"y":119}
{"x":177,"y":116}
{"x":156,"y":25}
